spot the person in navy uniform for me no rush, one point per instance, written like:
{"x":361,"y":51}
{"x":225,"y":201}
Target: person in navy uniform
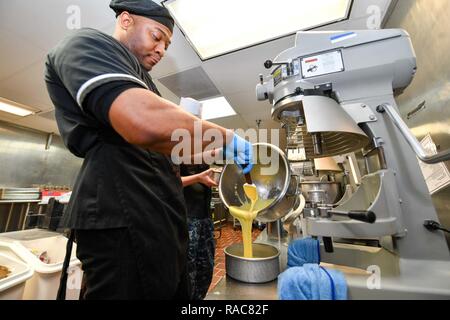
{"x":197,"y":181}
{"x":127,"y":212}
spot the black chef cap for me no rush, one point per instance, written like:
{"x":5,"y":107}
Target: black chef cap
{"x":145,"y":8}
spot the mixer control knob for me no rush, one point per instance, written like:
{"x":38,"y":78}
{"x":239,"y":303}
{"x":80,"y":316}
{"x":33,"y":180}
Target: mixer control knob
{"x":268,"y":64}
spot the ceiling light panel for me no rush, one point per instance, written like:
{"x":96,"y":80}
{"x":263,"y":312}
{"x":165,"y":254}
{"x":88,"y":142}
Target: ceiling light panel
{"x":216,"y":108}
{"x":14,"y":108}
{"x":216,"y":27}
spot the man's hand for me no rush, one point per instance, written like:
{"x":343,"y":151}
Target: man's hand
{"x":206,"y":178}
{"x":241,"y":152}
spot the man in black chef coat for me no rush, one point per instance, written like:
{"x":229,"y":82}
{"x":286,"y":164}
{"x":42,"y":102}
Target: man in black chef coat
{"x":127,"y":209}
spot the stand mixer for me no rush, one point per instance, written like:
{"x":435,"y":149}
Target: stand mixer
{"x":335,"y":94}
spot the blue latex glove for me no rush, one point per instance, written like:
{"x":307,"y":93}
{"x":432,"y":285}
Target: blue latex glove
{"x":241,"y":151}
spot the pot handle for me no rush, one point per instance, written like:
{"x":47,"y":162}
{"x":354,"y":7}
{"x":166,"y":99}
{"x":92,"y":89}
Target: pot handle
{"x":294,"y":214}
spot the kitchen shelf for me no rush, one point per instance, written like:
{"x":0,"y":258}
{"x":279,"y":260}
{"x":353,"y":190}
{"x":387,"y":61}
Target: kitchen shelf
{"x":20,"y":201}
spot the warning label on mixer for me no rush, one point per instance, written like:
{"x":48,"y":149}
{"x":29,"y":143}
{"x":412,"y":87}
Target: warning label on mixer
{"x":330,"y":62}
{"x":277,"y":77}
{"x":437,"y":175}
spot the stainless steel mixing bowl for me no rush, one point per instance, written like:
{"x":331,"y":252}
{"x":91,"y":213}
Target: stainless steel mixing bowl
{"x":281,"y":185}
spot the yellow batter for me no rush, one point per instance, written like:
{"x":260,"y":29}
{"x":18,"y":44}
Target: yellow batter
{"x":247,"y":213}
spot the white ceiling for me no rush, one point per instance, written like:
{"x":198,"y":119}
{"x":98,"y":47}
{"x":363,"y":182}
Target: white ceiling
{"x":28,"y":29}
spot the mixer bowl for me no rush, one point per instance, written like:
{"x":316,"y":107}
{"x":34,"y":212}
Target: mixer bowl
{"x":321,"y":192}
{"x":280,"y":185}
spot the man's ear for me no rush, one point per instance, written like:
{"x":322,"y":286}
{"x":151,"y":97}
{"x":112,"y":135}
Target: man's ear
{"x":125,"y":20}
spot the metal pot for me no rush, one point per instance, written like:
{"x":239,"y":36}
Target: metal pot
{"x":263,"y":267}
{"x":278,"y":184}
{"x":321,"y":192}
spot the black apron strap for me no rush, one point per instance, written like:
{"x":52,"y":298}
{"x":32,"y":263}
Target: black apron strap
{"x":63,"y":281}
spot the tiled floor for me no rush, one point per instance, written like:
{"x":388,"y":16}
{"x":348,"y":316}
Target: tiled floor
{"x":228,"y":236}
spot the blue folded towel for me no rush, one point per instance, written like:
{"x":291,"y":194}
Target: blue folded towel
{"x":303,"y":251}
{"x":311,"y":282}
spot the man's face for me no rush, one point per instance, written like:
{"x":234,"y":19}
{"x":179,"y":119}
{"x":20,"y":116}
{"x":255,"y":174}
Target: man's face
{"x":148,"y":40}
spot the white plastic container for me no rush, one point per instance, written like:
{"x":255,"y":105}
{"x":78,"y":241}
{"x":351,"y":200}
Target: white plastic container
{"x":13,"y":286}
{"x":45,"y":282}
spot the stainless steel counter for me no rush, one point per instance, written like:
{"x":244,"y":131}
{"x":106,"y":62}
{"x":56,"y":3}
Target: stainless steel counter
{"x":410,"y":285}
{"x":230,"y":289}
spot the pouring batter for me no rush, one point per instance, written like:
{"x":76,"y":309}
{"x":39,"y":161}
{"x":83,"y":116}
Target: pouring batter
{"x":247,"y":213}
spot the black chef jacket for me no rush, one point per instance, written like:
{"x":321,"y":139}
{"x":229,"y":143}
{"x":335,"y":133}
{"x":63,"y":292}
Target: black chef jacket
{"x":197,"y":195}
{"x":119,"y":184}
